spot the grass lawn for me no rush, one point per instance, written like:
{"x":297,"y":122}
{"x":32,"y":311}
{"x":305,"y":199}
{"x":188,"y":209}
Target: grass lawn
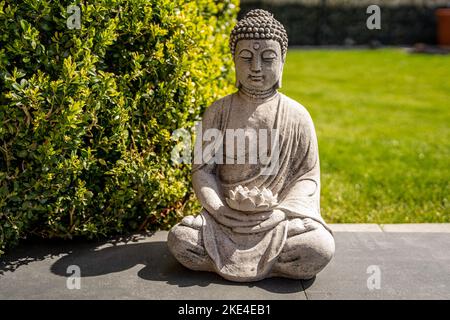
{"x":383,"y":122}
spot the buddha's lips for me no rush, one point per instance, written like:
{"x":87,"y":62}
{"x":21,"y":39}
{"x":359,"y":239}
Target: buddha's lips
{"x":256,"y":78}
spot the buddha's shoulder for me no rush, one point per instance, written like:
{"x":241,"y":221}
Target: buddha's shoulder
{"x":219,"y":103}
{"x":296,"y":109}
{"x":217,"y":106}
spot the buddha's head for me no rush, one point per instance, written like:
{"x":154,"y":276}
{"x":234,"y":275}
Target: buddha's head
{"x":258,"y":43}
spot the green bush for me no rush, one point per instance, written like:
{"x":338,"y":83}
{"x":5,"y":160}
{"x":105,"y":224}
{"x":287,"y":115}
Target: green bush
{"x":87,"y":114}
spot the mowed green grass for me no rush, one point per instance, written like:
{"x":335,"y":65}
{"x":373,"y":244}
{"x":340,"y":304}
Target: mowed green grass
{"x":382,"y":118}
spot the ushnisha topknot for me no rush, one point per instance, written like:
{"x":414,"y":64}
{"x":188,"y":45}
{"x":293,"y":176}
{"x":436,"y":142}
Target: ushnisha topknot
{"x":259,"y":24}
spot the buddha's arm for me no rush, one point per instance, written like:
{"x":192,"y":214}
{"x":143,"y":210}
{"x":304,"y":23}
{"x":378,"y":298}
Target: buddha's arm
{"x":207,"y":191}
{"x":302,"y":199}
{"x":209,"y":195}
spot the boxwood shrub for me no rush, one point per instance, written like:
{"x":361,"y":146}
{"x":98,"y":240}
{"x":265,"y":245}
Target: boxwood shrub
{"x":86,"y":115}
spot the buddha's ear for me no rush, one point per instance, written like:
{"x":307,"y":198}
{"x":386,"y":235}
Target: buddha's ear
{"x":237,"y":84}
{"x":278,"y":83}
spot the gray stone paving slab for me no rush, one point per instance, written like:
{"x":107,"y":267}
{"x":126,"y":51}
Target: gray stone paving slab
{"x":355,"y":227}
{"x":416,"y":227}
{"x":143,"y":269}
{"x":411,"y":265}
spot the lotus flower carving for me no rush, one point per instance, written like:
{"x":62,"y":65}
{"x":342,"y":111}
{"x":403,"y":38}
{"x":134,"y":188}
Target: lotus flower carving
{"x":248,"y":200}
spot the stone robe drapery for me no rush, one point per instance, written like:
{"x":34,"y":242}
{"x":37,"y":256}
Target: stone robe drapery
{"x":246,"y":257}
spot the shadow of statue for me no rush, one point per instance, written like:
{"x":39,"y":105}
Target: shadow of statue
{"x":158,"y":265}
{"x":37,"y":249}
{"x":30,"y":251}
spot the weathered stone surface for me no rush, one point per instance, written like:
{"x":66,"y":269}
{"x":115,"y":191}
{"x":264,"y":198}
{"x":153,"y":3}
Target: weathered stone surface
{"x":412,"y":266}
{"x":416,"y":227}
{"x":359,"y":227}
{"x":256,"y":173}
{"x":409,"y":266}
{"x":142,"y":268}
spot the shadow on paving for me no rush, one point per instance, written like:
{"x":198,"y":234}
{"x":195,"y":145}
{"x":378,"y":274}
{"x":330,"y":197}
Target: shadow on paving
{"x":36,"y":249}
{"x":159,"y":264}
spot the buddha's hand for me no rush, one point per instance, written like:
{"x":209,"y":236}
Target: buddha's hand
{"x":275,"y":217}
{"x":235,"y":219}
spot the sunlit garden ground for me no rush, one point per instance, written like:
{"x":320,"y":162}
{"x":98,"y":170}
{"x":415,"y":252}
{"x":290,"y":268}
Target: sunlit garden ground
{"x":382,"y":119}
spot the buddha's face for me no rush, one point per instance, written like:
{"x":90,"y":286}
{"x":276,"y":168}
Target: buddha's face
{"x":259,"y":63}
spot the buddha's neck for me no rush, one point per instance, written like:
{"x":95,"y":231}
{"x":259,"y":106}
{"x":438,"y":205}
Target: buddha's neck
{"x":257,"y":95}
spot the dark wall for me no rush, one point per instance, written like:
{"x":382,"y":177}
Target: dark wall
{"x":326,"y":25}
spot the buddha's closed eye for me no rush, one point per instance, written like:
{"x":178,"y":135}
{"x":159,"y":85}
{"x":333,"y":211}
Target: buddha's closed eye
{"x":269,"y":55}
{"x":246,"y":55}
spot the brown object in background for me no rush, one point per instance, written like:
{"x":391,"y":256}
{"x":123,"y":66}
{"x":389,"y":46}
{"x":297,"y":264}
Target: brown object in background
{"x":443,"y":27}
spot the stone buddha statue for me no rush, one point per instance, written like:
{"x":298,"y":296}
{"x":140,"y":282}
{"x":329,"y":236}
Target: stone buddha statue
{"x":260,"y":195}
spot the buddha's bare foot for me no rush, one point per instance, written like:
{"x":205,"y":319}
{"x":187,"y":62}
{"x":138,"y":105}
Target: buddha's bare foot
{"x":310,"y":224}
{"x":299,"y":226}
{"x":192,"y":222}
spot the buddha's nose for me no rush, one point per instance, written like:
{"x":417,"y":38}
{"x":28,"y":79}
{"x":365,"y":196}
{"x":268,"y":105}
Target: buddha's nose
{"x":256,"y":65}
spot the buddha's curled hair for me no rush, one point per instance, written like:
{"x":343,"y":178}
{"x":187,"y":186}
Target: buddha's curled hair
{"x":259,"y":24}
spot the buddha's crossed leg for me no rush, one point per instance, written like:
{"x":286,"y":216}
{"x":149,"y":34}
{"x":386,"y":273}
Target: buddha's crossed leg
{"x":308,"y":248}
{"x":185,"y":240}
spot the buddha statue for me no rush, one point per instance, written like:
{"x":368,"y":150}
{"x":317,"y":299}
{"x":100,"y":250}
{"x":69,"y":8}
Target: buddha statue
{"x":261,"y":214}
